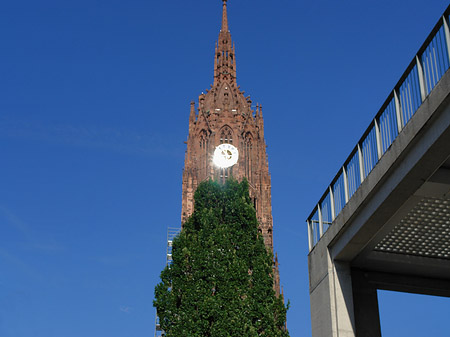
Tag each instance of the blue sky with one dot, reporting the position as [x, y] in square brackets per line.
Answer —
[94, 106]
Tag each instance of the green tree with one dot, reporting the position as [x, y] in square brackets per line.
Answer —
[221, 280]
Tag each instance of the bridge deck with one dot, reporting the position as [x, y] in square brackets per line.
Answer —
[384, 221]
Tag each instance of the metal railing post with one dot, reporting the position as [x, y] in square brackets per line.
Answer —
[344, 174]
[361, 165]
[333, 215]
[447, 36]
[398, 112]
[423, 91]
[378, 137]
[319, 211]
[310, 236]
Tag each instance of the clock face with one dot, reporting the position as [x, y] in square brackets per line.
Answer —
[225, 155]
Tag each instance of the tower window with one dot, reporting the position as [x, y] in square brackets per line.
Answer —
[248, 159]
[226, 135]
[203, 140]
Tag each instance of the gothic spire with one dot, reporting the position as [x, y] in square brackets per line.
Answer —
[224, 62]
[224, 17]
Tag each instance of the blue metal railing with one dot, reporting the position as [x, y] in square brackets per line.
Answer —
[416, 83]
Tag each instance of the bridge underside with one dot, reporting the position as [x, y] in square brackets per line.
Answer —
[394, 233]
[415, 241]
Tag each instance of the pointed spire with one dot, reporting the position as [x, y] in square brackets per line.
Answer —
[224, 62]
[259, 111]
[260, 120]
[224, 17]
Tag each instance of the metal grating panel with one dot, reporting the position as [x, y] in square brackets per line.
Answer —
[424, 231]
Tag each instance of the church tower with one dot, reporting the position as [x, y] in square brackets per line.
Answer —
[224, 123]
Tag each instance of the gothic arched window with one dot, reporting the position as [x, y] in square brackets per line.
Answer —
[203, 137]
[203, 140]
[248, 158]
[226, 135]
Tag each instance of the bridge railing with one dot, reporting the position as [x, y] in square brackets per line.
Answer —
[423, 73]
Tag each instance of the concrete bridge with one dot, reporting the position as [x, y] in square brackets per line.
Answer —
[384, 220]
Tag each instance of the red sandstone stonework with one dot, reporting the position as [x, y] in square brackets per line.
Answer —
[224, 115]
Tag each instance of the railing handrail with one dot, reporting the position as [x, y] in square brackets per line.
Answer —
[393, 95]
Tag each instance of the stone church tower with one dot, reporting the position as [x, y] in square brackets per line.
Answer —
[225, 116]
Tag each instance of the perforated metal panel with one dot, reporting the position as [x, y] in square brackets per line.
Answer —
[424, 231]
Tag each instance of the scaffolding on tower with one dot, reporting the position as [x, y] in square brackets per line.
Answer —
[172, 232]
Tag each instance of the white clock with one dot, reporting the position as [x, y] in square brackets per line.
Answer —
[225, 155]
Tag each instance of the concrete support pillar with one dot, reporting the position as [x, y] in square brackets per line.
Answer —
[331, 296]
[365, 304]
[343, 295]
[344, 303]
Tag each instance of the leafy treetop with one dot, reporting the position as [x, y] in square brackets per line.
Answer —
[221, 280]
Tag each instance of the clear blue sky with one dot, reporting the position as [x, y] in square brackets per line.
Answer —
[94, 105]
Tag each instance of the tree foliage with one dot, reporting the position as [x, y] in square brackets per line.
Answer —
[221, 280]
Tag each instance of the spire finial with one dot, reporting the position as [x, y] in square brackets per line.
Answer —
[224, 17]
